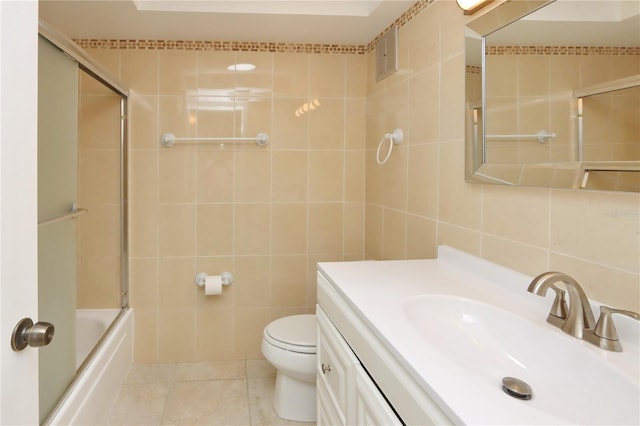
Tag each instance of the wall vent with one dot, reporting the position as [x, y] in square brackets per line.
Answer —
[387, 54]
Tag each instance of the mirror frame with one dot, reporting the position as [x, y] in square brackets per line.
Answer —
[570, 174]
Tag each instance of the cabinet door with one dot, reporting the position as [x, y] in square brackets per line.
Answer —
[370, 406]
[335, 371]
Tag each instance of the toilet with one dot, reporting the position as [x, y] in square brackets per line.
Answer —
[289, 344]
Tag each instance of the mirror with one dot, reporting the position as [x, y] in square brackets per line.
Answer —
[553, 95]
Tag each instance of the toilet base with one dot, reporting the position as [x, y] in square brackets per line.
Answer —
[294, 399]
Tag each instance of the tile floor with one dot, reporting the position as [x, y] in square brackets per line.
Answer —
[215, 393]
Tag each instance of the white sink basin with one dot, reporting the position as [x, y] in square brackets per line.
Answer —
[568, 381]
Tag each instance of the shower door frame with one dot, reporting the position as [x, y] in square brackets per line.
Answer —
[89, 66]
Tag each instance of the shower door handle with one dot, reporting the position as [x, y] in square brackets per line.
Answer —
[26, 333]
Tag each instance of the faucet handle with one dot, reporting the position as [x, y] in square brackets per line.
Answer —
[559, 310]
[605, 331]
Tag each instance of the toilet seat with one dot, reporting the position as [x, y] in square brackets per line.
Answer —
[296, 333]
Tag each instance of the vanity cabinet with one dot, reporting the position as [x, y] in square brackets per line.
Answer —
[359, 380]
[346, 393]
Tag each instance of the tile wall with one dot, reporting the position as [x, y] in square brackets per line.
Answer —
[419, 199]
[266, 214]
[519, 81]
[99, 258]
[316, 193]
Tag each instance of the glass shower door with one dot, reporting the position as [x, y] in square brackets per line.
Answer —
[57, 194]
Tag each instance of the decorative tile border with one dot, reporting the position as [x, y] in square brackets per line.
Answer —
[474, 69]
[236, 46]
[246, 46]
[563, 50]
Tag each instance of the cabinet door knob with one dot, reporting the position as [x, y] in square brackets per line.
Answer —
[326, 369]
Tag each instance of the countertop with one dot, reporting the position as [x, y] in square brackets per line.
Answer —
[377, 292]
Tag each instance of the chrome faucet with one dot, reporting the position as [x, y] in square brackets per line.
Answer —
[578, 319]
[580, 316]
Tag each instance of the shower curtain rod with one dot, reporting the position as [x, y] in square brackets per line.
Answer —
[169, 139]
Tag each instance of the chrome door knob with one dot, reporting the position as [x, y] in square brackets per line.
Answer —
[26, 333]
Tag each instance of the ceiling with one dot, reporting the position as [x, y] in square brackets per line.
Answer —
[346, 22]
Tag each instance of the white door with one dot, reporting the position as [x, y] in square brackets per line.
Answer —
[18, 206]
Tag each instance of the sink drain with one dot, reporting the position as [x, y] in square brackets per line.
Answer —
[516, 388]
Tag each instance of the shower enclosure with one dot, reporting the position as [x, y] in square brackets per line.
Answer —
[82, 244]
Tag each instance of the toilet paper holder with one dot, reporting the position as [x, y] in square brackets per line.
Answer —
[227, 278]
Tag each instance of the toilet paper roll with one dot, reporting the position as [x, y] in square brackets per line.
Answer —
[213, 285]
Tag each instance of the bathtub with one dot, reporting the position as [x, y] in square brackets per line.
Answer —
[99, 377]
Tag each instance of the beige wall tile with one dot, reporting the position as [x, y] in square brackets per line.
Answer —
[252, 175]
[252, 233]
[139, 69]
[177, 115]
[424, 48]
[214, 229]
[98, 285]
[527, 259]
[355, 175]
[143, 122]
[355, 123]
[424, 106]
[176, 335]
[458, 203]
[354, 229]
[598, 227]
[464, 239]
[421, 238]
[215, 117]
[177, 73]
[143, 230]
[213, 76]
[143, 177]
[290, 131]
[614, 287]
[99, 177]
[176, 289]
[214, 334]
[394, 239]
[252, 281]
[451, 109]
[356, 71]
[250, 323]
[244, 209]
[289, 176]
[258, 82]
[143, 278]
[289, 281]
[327, 76]
[289, 228]
[177, 230]
[145, 330]
[291, 75]
[215, 176]
[422, 189]
[325, 228]
[326, 175]
[326, 124]
[520, 214]
[373, 220]
[177, 176]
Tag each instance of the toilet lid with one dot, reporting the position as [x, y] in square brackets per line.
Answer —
[295, 333]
